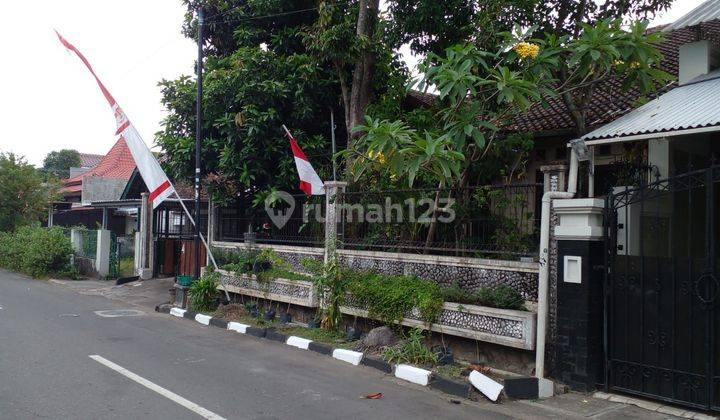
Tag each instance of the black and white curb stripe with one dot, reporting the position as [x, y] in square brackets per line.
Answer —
[527, 388]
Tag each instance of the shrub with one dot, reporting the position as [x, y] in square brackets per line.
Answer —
[412, 350]
[501, 296]
[36, 251]
[389, 298]
[203, 291]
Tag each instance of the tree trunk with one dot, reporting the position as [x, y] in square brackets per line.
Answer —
[361, 90]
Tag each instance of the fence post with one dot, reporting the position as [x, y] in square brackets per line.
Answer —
[146, 240]
[334, 191]
[102, 253]
[76, 240]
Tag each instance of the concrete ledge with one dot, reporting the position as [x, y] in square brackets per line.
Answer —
[450, 386]
[180, 313]
[413, 374]
[320, 348]
[377, 363]
[299, 342]
[349, 356]
[237, 327]
[203, 319]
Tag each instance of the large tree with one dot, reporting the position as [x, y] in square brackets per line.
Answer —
[58, 163]
[271, 63]
[24, 197]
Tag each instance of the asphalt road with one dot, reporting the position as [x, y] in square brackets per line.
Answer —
[48, 333]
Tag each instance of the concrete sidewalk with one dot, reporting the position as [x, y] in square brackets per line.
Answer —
[147, 294]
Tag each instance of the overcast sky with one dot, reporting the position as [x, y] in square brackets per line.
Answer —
[49, 101]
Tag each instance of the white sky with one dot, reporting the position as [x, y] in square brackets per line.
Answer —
[48, 99]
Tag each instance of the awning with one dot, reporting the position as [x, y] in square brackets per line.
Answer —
[705, 12]
[688, 109]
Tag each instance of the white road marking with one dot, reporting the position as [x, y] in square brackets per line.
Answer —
[157, 388]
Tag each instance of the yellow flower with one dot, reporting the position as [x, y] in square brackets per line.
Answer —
[527, 49]
[378, 156]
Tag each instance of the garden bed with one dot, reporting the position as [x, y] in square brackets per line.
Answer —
[297, 292]
[507, 327]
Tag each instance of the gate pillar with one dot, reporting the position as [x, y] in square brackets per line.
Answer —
[580, 264]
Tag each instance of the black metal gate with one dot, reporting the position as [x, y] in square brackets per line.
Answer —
[662, 318]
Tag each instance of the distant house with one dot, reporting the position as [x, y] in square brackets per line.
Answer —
[103, 180]
[87, 162]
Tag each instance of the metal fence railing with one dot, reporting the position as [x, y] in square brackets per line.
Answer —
[487, 221]
[293, 219]
[88, 244]
[495, 221]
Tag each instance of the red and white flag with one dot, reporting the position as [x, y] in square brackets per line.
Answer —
[155, 178]
[310, 182]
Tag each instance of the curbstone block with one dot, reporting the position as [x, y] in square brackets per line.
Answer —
[349, 356]
[203, 319]
[273, 335]
[521, 388]
[487, 386]
[320, 348]
[413, 374]
[377, 363]
[257, 332]
[299, 342]
[237, 327]
[450, 386]
[189, 315]
[177, 312]
[163, 309]
[220, 323]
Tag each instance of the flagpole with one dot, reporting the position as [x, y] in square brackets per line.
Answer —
[198, 134]
[197, 229]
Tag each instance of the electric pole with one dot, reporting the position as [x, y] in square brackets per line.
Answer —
[198, 137]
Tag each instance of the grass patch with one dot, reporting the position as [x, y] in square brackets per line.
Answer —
[456, 370]
[126, 267]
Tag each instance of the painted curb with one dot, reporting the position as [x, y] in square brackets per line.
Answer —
[405, 372]
[299, 342]
[487, 386]
[275, 336]
[320, 348]
[220, 323]
[450, 386]
[162, 309]
[203, 319]
[177, 312]
[413, 374]
[237, 327]
[349, 356]
[377, 363]
[256, 332]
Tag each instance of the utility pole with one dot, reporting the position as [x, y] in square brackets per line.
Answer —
[198, 137]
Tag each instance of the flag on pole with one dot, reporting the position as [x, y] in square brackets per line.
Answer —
[310, 182]
[155, 178]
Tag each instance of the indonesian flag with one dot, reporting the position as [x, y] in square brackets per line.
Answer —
[149, 168]
[310, 182]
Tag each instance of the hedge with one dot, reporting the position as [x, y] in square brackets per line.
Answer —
[36, 251]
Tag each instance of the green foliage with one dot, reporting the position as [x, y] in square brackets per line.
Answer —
[203, 291]
[37, 251]
[398, 149]
[331, 282]
[411, 350]
[57, 163]
[500, 296]
[390, 298]
[23, 195]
